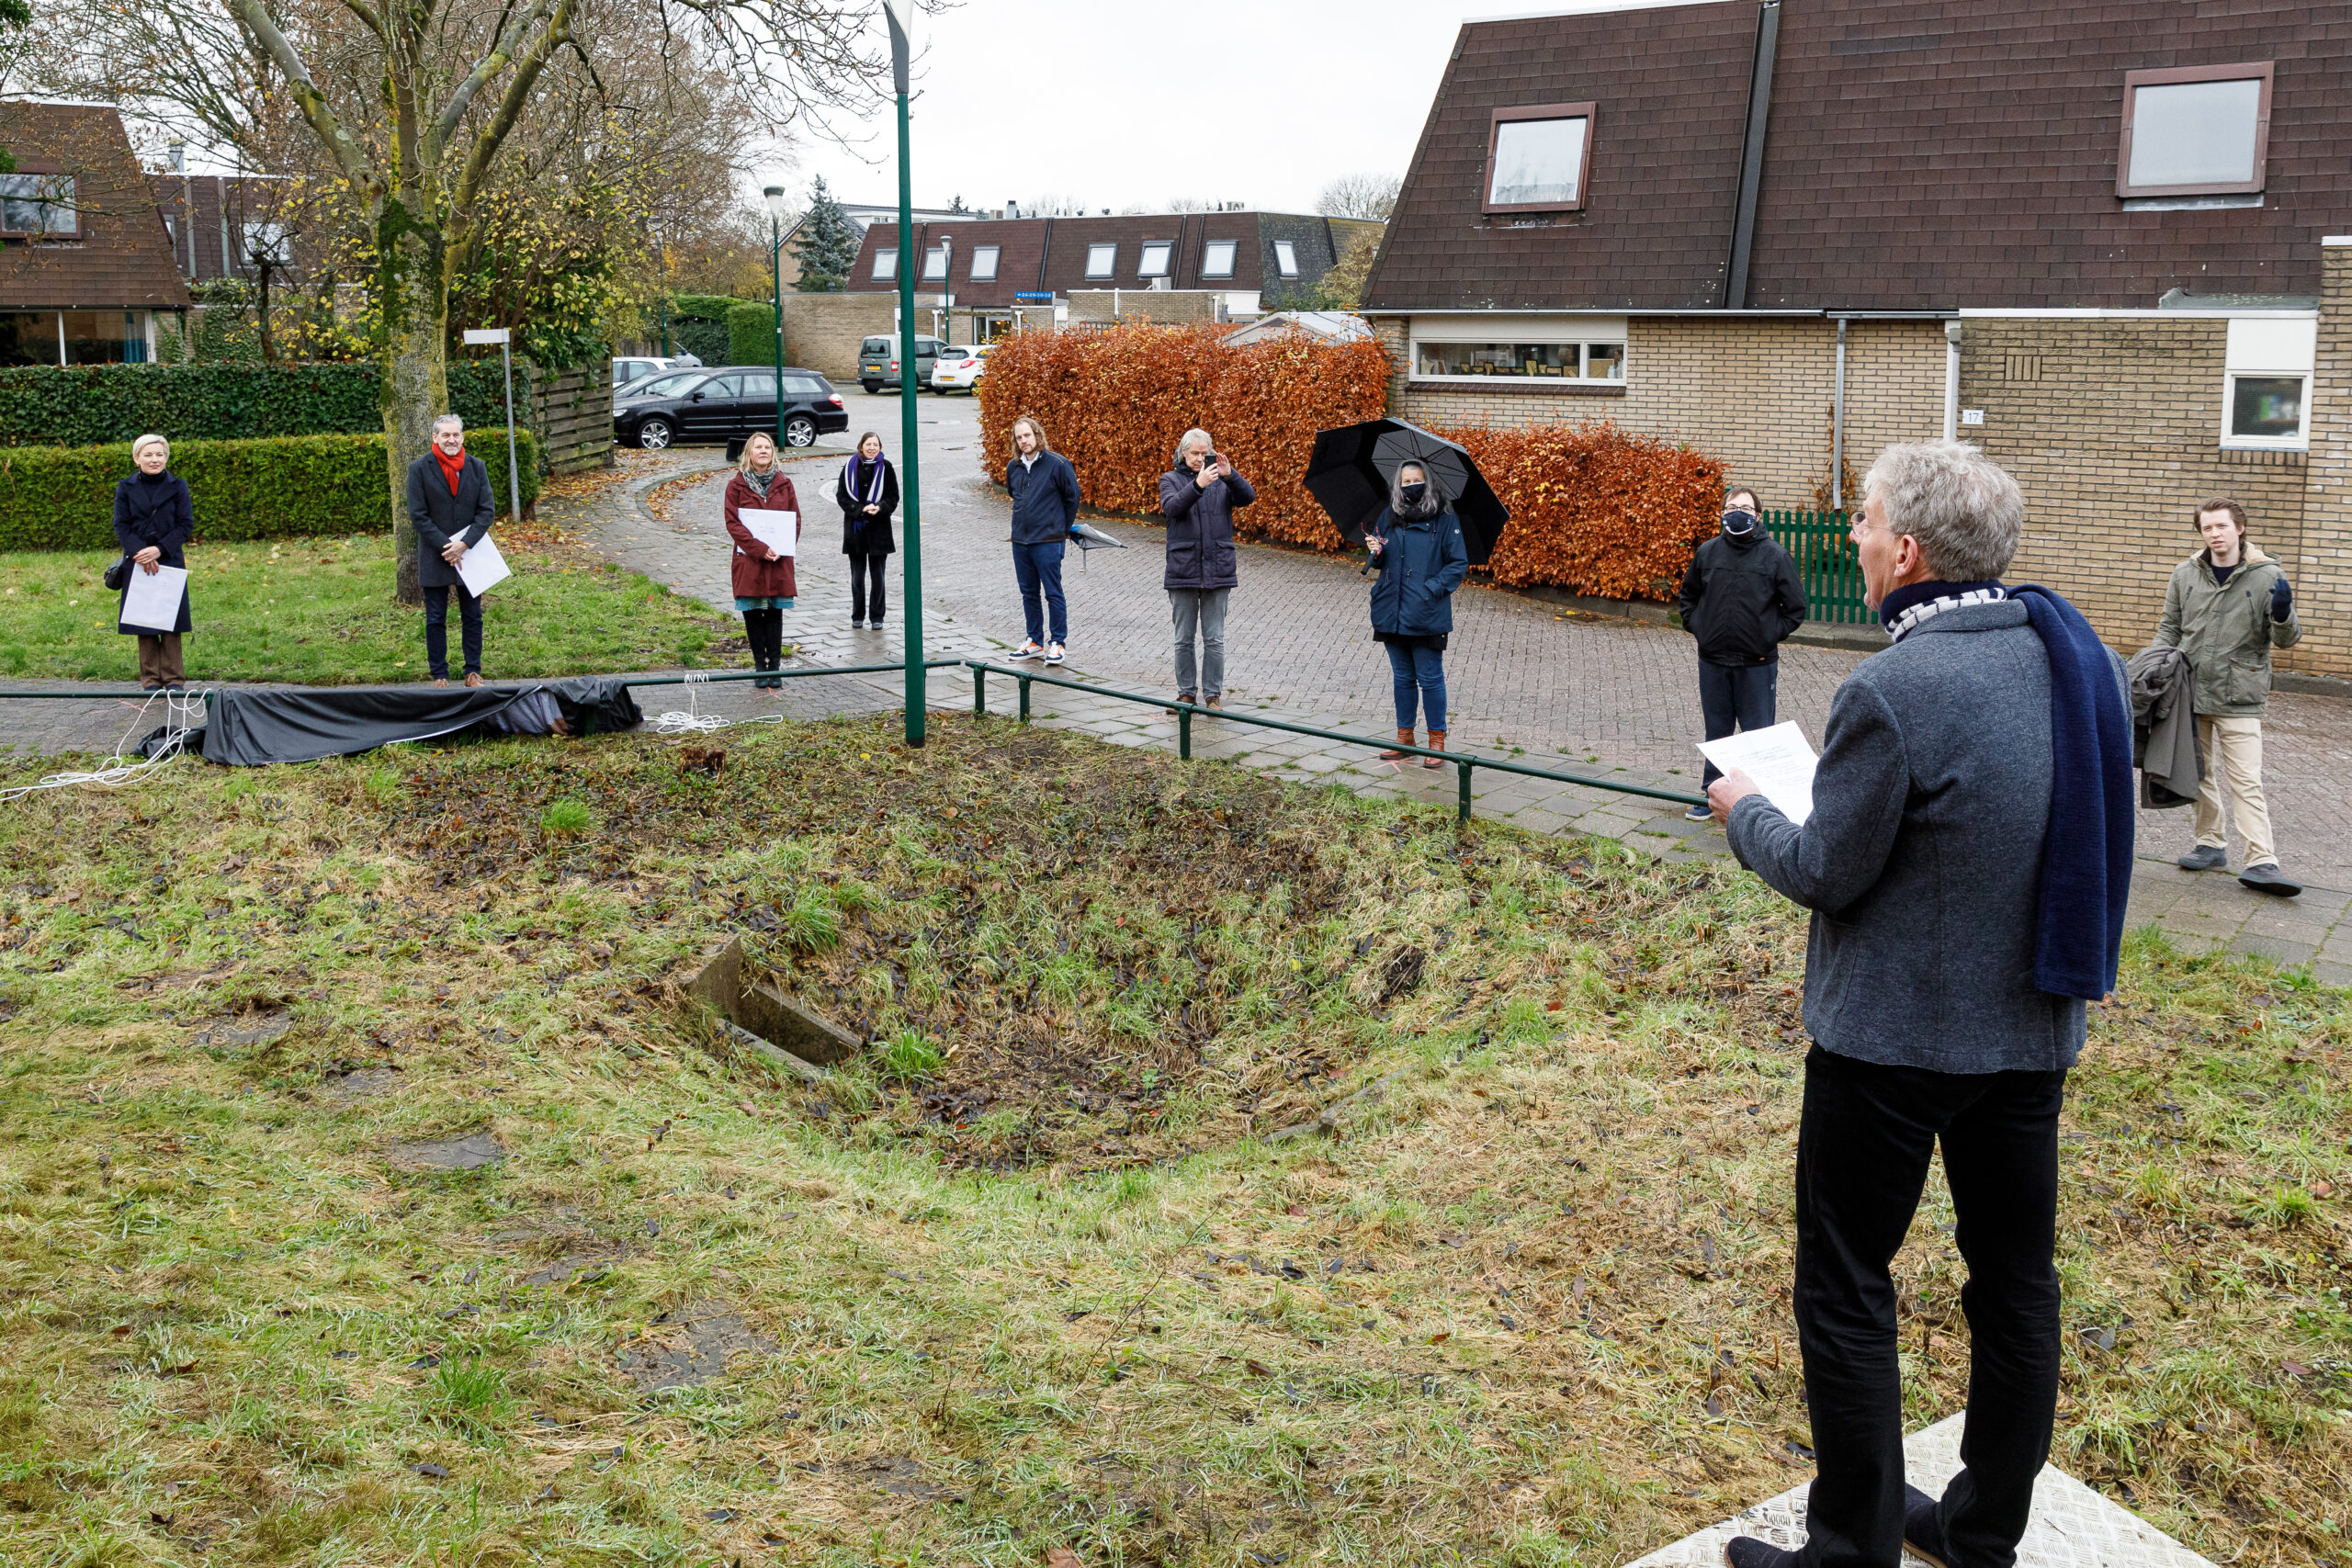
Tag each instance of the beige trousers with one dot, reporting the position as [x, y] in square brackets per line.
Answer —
[2231, 749]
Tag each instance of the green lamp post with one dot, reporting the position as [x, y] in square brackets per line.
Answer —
[901, 16]
[774, 195]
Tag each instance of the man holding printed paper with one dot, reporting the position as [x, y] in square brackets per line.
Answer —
[1968, 858]
[449, 504]
[763, 517]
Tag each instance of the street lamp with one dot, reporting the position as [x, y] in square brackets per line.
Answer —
[901, 18]
[774, 195]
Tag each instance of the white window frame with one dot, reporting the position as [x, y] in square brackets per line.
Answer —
[1286, 258]
[1586, 333]
[885, 264]
[984, 271]
[1209, 268]
[2269, 348]
[1108, 251]
[1166, 252]
[934, 262]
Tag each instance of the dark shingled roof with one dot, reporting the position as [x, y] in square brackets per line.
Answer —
[1921, 154]
[1041, 253]
[122, 259]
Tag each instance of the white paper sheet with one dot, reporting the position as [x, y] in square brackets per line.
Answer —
[776, 530]
[154, 598]
[1779, 760]
[483, 568]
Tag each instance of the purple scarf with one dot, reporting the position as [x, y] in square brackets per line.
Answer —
[863, 482]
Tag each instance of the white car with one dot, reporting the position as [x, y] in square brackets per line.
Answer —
[960, 366]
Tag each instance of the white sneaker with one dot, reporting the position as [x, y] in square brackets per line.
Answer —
[1027, 650]
[1053, 653]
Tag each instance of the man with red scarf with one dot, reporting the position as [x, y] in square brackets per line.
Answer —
[449, 504]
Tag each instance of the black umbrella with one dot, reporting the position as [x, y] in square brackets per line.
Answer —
[1354, 464]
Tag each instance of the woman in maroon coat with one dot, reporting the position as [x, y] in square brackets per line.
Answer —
[764, 580]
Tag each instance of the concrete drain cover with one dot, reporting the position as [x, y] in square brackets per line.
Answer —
[690, 1346]
[249, 1029]
[469, 1153]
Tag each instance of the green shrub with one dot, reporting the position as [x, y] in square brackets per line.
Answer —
[751, 334]
[62, 498]
[88, 405]
[701, 307]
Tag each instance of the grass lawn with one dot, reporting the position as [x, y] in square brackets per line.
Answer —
[1033, 1273]
[320, 612]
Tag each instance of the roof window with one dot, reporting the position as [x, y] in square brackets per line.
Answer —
[984, 263]
[1286, 258]
[1102, 259]
[885, 264]
[38, 204]
[1216, 258]
[1538, 158]
[2195, 131]
[1155, 258]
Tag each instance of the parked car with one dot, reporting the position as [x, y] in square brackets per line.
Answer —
[697, 407]
[637, 366]
[960, 366]
[877, 362]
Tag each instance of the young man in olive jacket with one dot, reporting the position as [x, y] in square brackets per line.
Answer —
[1741, 599]
[450, 506]
[2226, 608]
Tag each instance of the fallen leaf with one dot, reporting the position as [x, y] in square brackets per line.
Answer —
[2295, 1369]
[1060, 1557]
[2322, 1190]
[1259, 1369]
[1441, 1339]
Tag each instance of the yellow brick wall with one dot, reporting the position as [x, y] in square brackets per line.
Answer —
[2115, 440]
[2323, 576]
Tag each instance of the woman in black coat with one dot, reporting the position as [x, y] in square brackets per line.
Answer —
[153, 520]
[868, 493]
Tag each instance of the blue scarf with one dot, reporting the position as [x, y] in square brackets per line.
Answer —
[2086, 848]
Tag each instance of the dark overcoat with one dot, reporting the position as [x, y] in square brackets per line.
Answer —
[861, 535]
[154, 511]
[440, 516]
[1200, 529]
[1418, 570]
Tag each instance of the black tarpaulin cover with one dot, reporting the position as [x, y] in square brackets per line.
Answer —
[248, 728]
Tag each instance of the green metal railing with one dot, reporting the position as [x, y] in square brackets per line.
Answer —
[1827, 565]
[1463, 763]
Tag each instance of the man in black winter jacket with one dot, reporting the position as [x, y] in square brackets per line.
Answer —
[1740, 599]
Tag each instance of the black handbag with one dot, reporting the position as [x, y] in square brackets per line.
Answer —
[118, 574]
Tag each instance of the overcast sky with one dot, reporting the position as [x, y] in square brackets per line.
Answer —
[1123, 105]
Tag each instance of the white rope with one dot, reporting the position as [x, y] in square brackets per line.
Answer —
[184, 712]
[693, 721]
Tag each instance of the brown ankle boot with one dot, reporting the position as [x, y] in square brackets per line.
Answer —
[1437, 743]
[1404, 737]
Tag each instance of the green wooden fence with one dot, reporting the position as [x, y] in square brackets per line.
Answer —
[1826, 564]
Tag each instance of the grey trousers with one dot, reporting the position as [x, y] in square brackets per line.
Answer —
[1200, 611]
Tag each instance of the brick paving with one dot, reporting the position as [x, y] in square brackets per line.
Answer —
[1526, 681]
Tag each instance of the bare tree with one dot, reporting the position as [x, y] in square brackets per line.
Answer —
[410, 103]
[1359, 195]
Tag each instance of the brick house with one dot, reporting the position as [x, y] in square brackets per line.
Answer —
[217, 224]
[2092, 235]
[1254, 260]
[84, 265]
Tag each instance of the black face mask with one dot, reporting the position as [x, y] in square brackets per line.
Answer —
[1412, 493]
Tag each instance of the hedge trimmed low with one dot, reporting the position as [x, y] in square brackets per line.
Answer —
[86, 405]
[62, 498]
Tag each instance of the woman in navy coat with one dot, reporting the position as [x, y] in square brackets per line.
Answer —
[1416, 545]
[153, 520]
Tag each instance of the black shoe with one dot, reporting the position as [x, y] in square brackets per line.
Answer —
[1746, 1551]
[1923, 1531]
[2204, 857]
[2268, 878]
[1699, 814]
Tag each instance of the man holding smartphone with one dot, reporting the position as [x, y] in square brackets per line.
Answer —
[1741, 599]
[1197, 496]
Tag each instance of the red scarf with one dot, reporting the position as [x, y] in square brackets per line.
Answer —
[450, 467]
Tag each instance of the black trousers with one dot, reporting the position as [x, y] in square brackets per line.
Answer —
[865, 603]
[1862, 1152]
[763, 629]
[1732, 697]
[436, 629]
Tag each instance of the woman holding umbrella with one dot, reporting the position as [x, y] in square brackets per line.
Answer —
[1417, 549]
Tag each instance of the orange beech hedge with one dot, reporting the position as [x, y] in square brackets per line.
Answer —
[1594, 510]
[1115, 402]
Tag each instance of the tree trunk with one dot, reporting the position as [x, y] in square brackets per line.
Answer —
[412, 297]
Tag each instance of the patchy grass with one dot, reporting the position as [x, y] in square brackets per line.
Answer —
[1036, 1272]
[320, 612]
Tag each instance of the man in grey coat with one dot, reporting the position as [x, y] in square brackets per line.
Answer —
[449, 505]
[1967, 858]
[1197, 496]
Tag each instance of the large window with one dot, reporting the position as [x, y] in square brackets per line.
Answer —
[72, 337]
[1526, 350]
[885, 266]
[984, 263]
[2195, 131]
[1538, 158]
[934, 262]
[1216, 258]
[1155, 258]
[1286, 258]
[38, 204]
[2267, 386]
[1101, 260]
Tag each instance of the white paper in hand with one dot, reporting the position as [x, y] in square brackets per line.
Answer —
[1780, 760]
[776, 530]
[482, 567]
[153, 600]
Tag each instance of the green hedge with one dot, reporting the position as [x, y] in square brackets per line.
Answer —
[751, 334]
[89, 405]
[62, 498]
[701, 307]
